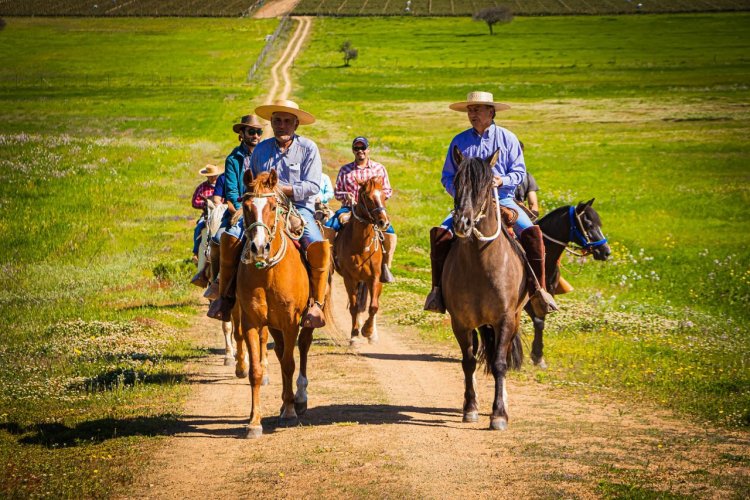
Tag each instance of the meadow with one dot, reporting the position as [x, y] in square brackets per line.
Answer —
[104, 126]
[644, 113]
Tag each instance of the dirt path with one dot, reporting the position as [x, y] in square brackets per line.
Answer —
[280, 70]
[275, 8]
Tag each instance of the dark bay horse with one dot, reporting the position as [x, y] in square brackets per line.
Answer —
[359, 255]
[579, 225]
[273, 289]
[484, 286]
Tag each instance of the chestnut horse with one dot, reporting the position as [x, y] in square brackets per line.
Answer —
[359, 255]
[273, 289]
[484, 285]
[579, 225]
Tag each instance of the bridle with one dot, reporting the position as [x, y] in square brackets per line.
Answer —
[370, 218]
[578, 236]
[283, 207]
[481, 215]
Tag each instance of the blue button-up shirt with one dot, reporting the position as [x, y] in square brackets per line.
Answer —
[234, 168]
[510, 165]
[299, 166]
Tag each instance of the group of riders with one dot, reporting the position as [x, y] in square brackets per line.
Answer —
[297, 162]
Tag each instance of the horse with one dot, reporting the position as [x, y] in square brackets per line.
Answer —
[484, 285]
[579, 225]
[273, 289]
[359, 256]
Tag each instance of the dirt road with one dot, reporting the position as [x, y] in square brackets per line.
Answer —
[275, 8]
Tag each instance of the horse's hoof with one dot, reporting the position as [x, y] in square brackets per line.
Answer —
[471, 416]
[498, 424]
[241, 373]
[254, 432]
[288, 422]
[540, 363]
[300, 408]
[373, 339]
[228, 361]
[266, 380]
[355, 341]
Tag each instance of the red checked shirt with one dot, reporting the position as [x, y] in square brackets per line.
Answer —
[351, 176]
[202, 192]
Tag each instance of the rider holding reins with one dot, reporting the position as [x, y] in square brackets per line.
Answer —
[482, 140]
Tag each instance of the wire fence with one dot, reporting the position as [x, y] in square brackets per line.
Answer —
[270, 41]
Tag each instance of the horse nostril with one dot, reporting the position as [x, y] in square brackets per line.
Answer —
[253, 247]
[267, 248]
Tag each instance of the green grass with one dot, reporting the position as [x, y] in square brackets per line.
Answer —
[103, 127]
[645, 113]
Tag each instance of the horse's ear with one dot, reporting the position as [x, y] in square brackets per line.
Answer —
[273, 178]
[247, 178]
[493, 159]
[457, 156]
[590, 202]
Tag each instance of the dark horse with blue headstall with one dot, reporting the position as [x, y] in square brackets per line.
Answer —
[578, 225]
[484, 285]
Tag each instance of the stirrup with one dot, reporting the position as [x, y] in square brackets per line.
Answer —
[434, 302]
[199, 279]
[542, 303]
[314, 317]
[386, 276]
[212, 292]
[221, 308]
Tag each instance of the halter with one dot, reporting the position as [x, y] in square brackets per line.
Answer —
[283, 207]
[578, 235]
[378, 237]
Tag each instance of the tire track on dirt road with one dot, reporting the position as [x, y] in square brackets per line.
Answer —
[280, 70]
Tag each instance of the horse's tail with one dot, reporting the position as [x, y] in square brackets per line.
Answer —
[487, 354]
[362, 293]
[328, 304]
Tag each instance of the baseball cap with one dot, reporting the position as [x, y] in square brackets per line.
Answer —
[363, 140]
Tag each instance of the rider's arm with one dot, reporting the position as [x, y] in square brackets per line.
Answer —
[387, 190]
[341, 192]
[449, 171]
[311, 171]
[199, 202]
[515, 169]
[232, 172]
[531, 194]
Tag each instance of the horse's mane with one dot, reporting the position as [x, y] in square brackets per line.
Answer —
[473, 180]
[563, 210]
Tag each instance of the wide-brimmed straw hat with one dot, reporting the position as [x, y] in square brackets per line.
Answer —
[211, 170]
[285, 106]
[474, 98]
[247, 121]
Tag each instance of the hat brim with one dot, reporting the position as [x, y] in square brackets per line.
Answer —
[267, 110]
[464, 106]
[205, 172]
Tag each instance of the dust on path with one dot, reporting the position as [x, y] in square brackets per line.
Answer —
[275, 8]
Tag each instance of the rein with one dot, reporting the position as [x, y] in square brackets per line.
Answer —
[285, 207]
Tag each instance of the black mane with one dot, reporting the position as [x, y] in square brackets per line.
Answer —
[473, 181]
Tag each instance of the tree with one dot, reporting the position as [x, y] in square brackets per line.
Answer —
[494, 15]
[350, 53]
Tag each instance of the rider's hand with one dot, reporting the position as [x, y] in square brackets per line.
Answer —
[350, 198]
[498, 181]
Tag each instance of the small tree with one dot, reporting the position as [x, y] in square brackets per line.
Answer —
[2, 23]
[350, 53]
[494, 15]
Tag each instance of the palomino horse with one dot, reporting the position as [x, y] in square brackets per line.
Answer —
[273, 289]
[579, 225]
[359, 256]
[484, 285]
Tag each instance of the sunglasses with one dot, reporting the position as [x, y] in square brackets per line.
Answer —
[254, 131]
[359, 148]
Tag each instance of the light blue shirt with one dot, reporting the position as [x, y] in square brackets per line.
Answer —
[510, 165]
[299, 166]
[326, 189]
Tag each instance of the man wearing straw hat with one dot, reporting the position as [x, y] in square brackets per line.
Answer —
[481, 140]
[297, 161]
[202, 193]
[249, 130]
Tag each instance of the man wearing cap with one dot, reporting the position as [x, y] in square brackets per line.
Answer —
[250, 130]
[482, 140]
[348, 181]
[297, 162]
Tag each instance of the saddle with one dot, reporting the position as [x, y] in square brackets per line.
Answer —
[509, 216]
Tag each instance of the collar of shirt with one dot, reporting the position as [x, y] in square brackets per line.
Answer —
[292, 143]
[486, 133]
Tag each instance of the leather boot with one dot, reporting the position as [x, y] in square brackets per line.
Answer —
[533, 244]
[319, 258]
[389, 249]
[330, 235]
[212, 293]
[221, 308]
[440, 244]
[200, 279]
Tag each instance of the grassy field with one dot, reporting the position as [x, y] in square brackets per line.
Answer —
[645, 113]
[103, 127]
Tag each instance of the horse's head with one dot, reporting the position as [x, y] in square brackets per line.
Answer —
[371, 203]
[473, 185]
[590, 228]
[260, 213]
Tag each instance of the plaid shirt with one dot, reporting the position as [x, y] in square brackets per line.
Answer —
[351, 176]
[205, 190]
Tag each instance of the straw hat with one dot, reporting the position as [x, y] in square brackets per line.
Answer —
[478, 98]
[211, 170]
[247, 121]
[285, 106]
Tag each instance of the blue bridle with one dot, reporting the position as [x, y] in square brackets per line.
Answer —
[578, 235]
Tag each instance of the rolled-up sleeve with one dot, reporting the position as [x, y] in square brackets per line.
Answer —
[311, 172]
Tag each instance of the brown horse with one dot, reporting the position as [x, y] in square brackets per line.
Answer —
[359, 255]
[484, 285]
[273, 289]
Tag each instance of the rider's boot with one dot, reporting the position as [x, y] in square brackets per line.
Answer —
[533, 244]
[389, 248]
[319, 258]
[330, 235]
[440, 244]
[563, 286]
[221, 308]
[212, 292]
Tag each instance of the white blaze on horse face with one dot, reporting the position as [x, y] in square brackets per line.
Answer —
[259, 203]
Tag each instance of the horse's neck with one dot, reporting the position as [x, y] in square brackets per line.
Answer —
[559, 229]
[362, 234]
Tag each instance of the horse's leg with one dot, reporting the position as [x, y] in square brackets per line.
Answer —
[252, 338]
[300, 397]
[351, 291]
[370, 329]
[241, 369]
[288, 414]
[537, 346]
[226, 328]
[466, 341]
[264, 355]
[504, 333]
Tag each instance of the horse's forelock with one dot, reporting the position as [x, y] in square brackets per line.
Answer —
[473, 181]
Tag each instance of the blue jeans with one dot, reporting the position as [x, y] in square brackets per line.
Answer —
[523, 221]
[197, 235]
[310, 234]
[334, 223]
